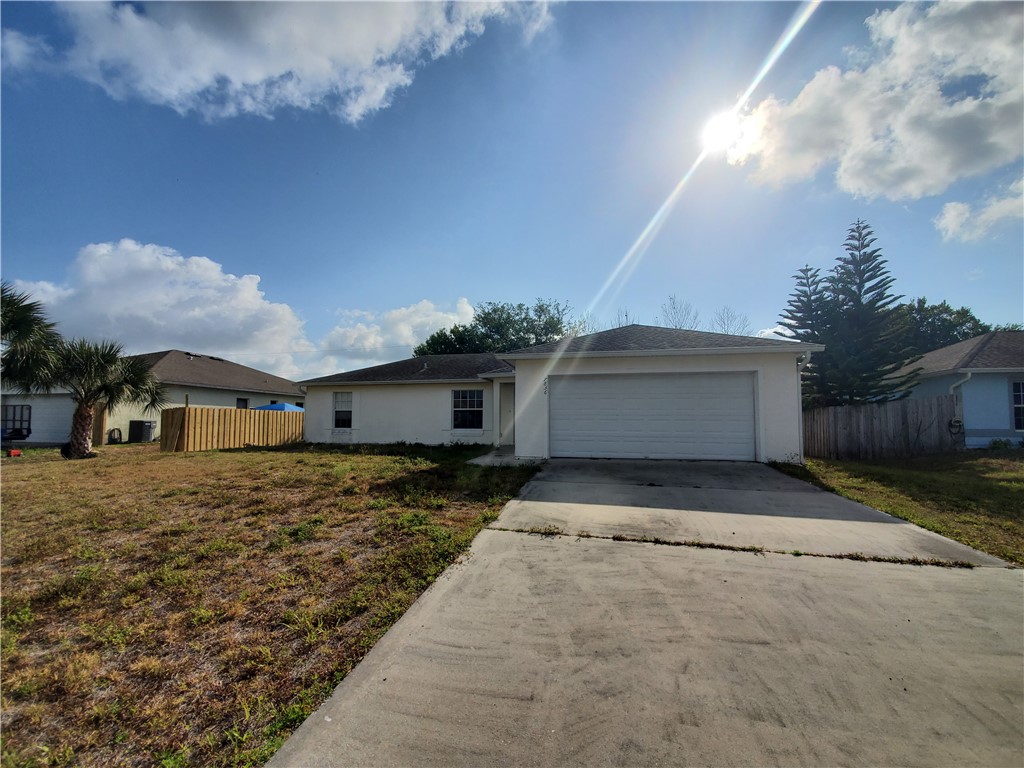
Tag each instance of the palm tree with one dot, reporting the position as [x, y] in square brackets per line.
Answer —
[28, 338]
[97, 374]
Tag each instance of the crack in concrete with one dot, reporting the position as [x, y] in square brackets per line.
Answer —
[552, 531]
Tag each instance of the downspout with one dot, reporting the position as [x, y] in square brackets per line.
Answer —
[953, 425]
[955, 384]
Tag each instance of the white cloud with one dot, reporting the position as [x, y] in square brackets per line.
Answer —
[226, 59]
[938, 97]
[775, 332]
[959, 221]
[150, 298]
[18, 51]
[367, 338]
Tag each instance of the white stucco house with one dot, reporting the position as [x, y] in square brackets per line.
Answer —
[188, 378]
[630, 392]
[988, 373]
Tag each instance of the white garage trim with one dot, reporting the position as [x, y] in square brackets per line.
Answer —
[656, 416]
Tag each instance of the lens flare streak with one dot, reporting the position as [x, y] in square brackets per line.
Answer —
[628, 264]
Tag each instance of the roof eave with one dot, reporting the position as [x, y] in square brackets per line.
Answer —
[197, 385]
[961, 371]
[802, 348]
[474, 380]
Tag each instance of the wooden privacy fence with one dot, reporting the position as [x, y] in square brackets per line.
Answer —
[207, 429]
[897, 428]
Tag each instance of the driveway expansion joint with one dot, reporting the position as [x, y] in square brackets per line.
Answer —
[551, 531]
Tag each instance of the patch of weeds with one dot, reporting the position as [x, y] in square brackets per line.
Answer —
[18, 618]
[342, 556]
[200, 615]
[171, 576]
[304, 530]
[309, 624]
[86, 552]
[378, 503]
[218, 546]
[414, 520]
[86, 580]
[283, 580]
[109, 634]
[173, 758]
[546, 531]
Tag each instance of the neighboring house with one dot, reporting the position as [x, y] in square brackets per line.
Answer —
[988, 372]
[631, 392]
[189, 379]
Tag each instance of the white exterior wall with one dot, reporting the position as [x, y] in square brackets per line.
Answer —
[777, 413]
[51, 416]
[392, 413]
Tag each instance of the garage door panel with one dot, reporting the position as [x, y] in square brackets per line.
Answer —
[678, 416]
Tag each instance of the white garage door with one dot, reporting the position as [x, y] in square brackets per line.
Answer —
[660, 416]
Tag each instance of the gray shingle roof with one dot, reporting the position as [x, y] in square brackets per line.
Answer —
[466, 367]
[995, 350]
[187, 369]
[649, 338]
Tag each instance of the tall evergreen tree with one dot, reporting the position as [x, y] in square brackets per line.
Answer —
[852, 312]
[807, 319]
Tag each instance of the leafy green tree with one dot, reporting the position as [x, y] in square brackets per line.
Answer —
[98, 375]
[29, 340]
[933, 326]
[502, 327]
[852, 311]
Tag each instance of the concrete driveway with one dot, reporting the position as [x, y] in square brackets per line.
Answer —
[566, 650]
[717, 502]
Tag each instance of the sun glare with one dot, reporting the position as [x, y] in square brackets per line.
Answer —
[722, 132]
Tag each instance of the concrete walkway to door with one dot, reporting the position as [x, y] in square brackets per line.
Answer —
[555, 650]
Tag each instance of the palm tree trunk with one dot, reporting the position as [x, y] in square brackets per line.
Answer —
[81, 431]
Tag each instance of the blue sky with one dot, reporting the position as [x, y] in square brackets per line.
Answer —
[308, 188]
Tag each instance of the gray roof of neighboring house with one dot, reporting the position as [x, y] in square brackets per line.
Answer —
[998, 350]
[458, 367]
[191, 370]
[649, 338]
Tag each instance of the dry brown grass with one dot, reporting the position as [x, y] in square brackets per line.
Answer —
[193, 609]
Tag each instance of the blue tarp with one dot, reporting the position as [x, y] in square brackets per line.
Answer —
[278, 407]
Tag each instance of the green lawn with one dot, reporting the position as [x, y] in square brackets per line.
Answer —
[976, 497]
[193, 609]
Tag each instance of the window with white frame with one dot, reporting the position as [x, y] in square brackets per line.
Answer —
[343, 410]
[467, 409]
[1018, 405]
